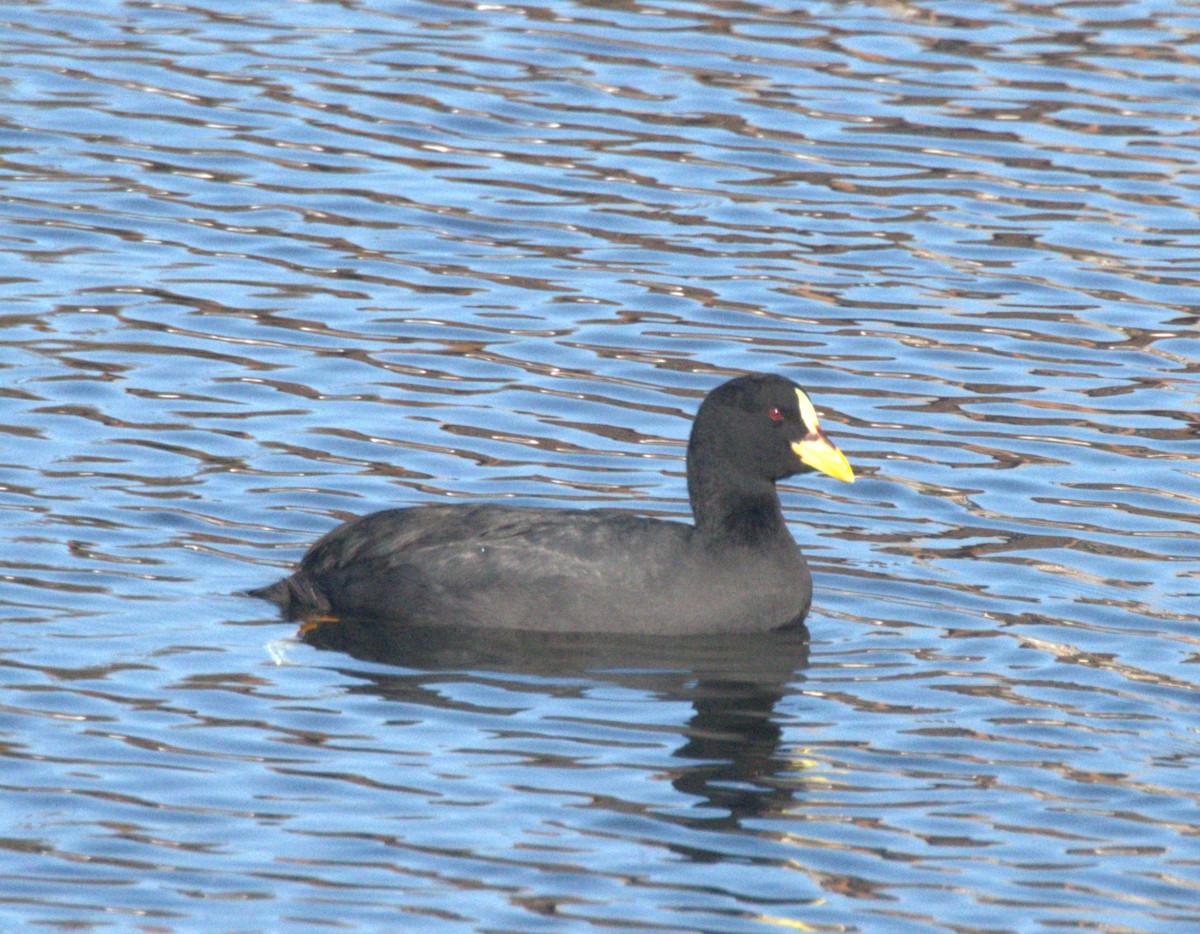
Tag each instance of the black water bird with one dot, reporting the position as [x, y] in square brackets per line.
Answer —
[737, 569]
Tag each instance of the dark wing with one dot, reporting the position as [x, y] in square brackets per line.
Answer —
[492, 565]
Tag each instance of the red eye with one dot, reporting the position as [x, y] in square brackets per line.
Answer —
[775, 413]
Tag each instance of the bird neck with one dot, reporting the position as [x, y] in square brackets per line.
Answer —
[746, 513]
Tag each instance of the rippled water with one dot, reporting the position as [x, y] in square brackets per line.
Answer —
[265, 266]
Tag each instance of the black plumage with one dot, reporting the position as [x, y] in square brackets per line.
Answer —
[737, 569]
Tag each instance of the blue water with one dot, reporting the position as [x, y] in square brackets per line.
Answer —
[265, 268]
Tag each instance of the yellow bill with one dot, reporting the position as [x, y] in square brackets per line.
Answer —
[816, 451]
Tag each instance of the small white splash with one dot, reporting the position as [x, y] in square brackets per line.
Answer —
[280, 649]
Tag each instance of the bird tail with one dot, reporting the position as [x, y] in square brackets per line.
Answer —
[295, 596]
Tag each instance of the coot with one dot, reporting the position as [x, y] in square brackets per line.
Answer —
[736, 569]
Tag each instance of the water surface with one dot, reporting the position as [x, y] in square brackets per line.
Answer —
[265, 269]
